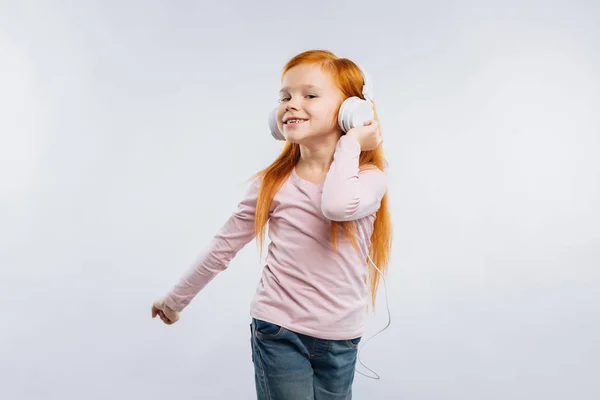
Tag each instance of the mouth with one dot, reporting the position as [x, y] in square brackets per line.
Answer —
[294, 121]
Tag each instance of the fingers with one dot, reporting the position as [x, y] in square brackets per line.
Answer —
[171, 315]
[373, 125]
[163, 311]
[164, 318]
[154, 311]
[157, 309]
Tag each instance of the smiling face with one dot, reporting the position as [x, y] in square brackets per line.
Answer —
[308, 104]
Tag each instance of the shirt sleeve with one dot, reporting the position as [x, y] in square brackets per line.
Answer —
[237, 231]
[348, 193]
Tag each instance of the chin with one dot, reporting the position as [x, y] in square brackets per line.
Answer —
[303, 134]
[298, 137]
[310, 137]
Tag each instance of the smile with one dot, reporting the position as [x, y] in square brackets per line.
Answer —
[295, 121]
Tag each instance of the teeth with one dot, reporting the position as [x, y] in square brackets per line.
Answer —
[295, 121]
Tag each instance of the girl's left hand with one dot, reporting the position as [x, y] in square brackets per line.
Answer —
[369, 135]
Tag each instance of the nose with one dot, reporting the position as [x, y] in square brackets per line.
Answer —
[291, 105]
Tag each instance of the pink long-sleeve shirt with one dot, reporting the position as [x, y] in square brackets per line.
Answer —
[305, 286]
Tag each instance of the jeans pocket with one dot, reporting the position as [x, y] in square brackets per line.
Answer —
[267, 330]
[353, 342]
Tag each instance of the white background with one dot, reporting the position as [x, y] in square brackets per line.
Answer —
[128, 130]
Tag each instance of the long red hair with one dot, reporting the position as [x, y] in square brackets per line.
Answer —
[348, 78]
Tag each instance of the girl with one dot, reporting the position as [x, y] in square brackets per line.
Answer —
[325, 186]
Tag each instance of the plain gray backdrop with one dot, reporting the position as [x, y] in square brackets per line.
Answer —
[128, 131]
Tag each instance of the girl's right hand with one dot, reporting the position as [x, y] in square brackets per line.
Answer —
[368, 135]
[166, 313]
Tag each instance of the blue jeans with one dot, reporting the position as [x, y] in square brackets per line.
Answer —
[293, 366]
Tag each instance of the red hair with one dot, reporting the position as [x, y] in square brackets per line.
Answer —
[348, 78]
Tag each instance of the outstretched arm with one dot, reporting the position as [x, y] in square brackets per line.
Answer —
[237, 231]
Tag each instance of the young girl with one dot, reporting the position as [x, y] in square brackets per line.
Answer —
[325, 188]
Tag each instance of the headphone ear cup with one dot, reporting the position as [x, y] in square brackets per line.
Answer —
[354, 112]
[275, 132]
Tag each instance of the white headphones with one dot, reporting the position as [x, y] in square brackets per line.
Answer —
[354, 111]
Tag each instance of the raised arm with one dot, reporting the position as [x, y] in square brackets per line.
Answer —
[348, 192]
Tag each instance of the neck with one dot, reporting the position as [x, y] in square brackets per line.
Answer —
[317, 155]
